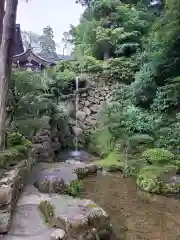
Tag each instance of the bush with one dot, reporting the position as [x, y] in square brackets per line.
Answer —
[158, 156]
[14, 138]
[22, 149]
[75, 188]
[10, 157]
[92, 65]
[120, 69]
[101, 141]
[169, 137]
[148, 179]
[66, 65]
[139, 142]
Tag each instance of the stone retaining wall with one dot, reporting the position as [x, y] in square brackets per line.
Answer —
[90, 101]
[12, 182]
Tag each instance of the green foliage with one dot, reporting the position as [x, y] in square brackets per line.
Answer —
[120, 69]
[113, 162]
[158, 156]
[35, 101]
[111, 29]
[169, 137]
[150, 178]
[75, 188]
[11, 156]
[14, 138]
[139, 142]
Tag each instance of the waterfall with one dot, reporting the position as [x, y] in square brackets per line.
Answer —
[76, 152]
[77, 107]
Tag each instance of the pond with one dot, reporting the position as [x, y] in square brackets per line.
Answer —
[134, 215]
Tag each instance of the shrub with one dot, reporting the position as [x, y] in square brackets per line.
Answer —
[22, 149]
[158, 156]
[101, 141]
[92, 65]
[150, 178]
[75, 188]
[169, 137]
[12, 156]
[139, 142]
[14, 138]
[120, 69]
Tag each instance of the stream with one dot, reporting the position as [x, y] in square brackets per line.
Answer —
[140, 216]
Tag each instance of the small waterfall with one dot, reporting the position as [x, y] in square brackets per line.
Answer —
[76, 152]
[77, 107]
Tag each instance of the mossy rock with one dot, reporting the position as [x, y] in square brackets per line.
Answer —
[151, 178]
[47, 211]
[158, 156]
[51, 185]
[86, 171]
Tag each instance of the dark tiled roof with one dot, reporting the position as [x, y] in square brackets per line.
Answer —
[56, 58]
[21, 55]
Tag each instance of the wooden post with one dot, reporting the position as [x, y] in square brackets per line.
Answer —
[8, 30]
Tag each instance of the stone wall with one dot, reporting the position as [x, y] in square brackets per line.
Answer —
[12, 182]
[97, 92]
[47, 142]
[45, 146]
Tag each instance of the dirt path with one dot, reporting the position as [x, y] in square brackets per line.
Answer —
[147, 218]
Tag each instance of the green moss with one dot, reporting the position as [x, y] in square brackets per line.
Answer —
[113, 160]
[47, 211]
[158, 156]
[92, 205]
[75, 188]
[151, 178]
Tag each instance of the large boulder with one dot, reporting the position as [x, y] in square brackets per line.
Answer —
[81, 218]
[80, 115]
[77, 131]
[86, 170]
[55, 180]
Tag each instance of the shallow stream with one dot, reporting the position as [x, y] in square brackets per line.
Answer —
[134, 215]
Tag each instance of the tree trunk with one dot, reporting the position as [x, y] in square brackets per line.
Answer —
[9, 22]
[1, 17]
